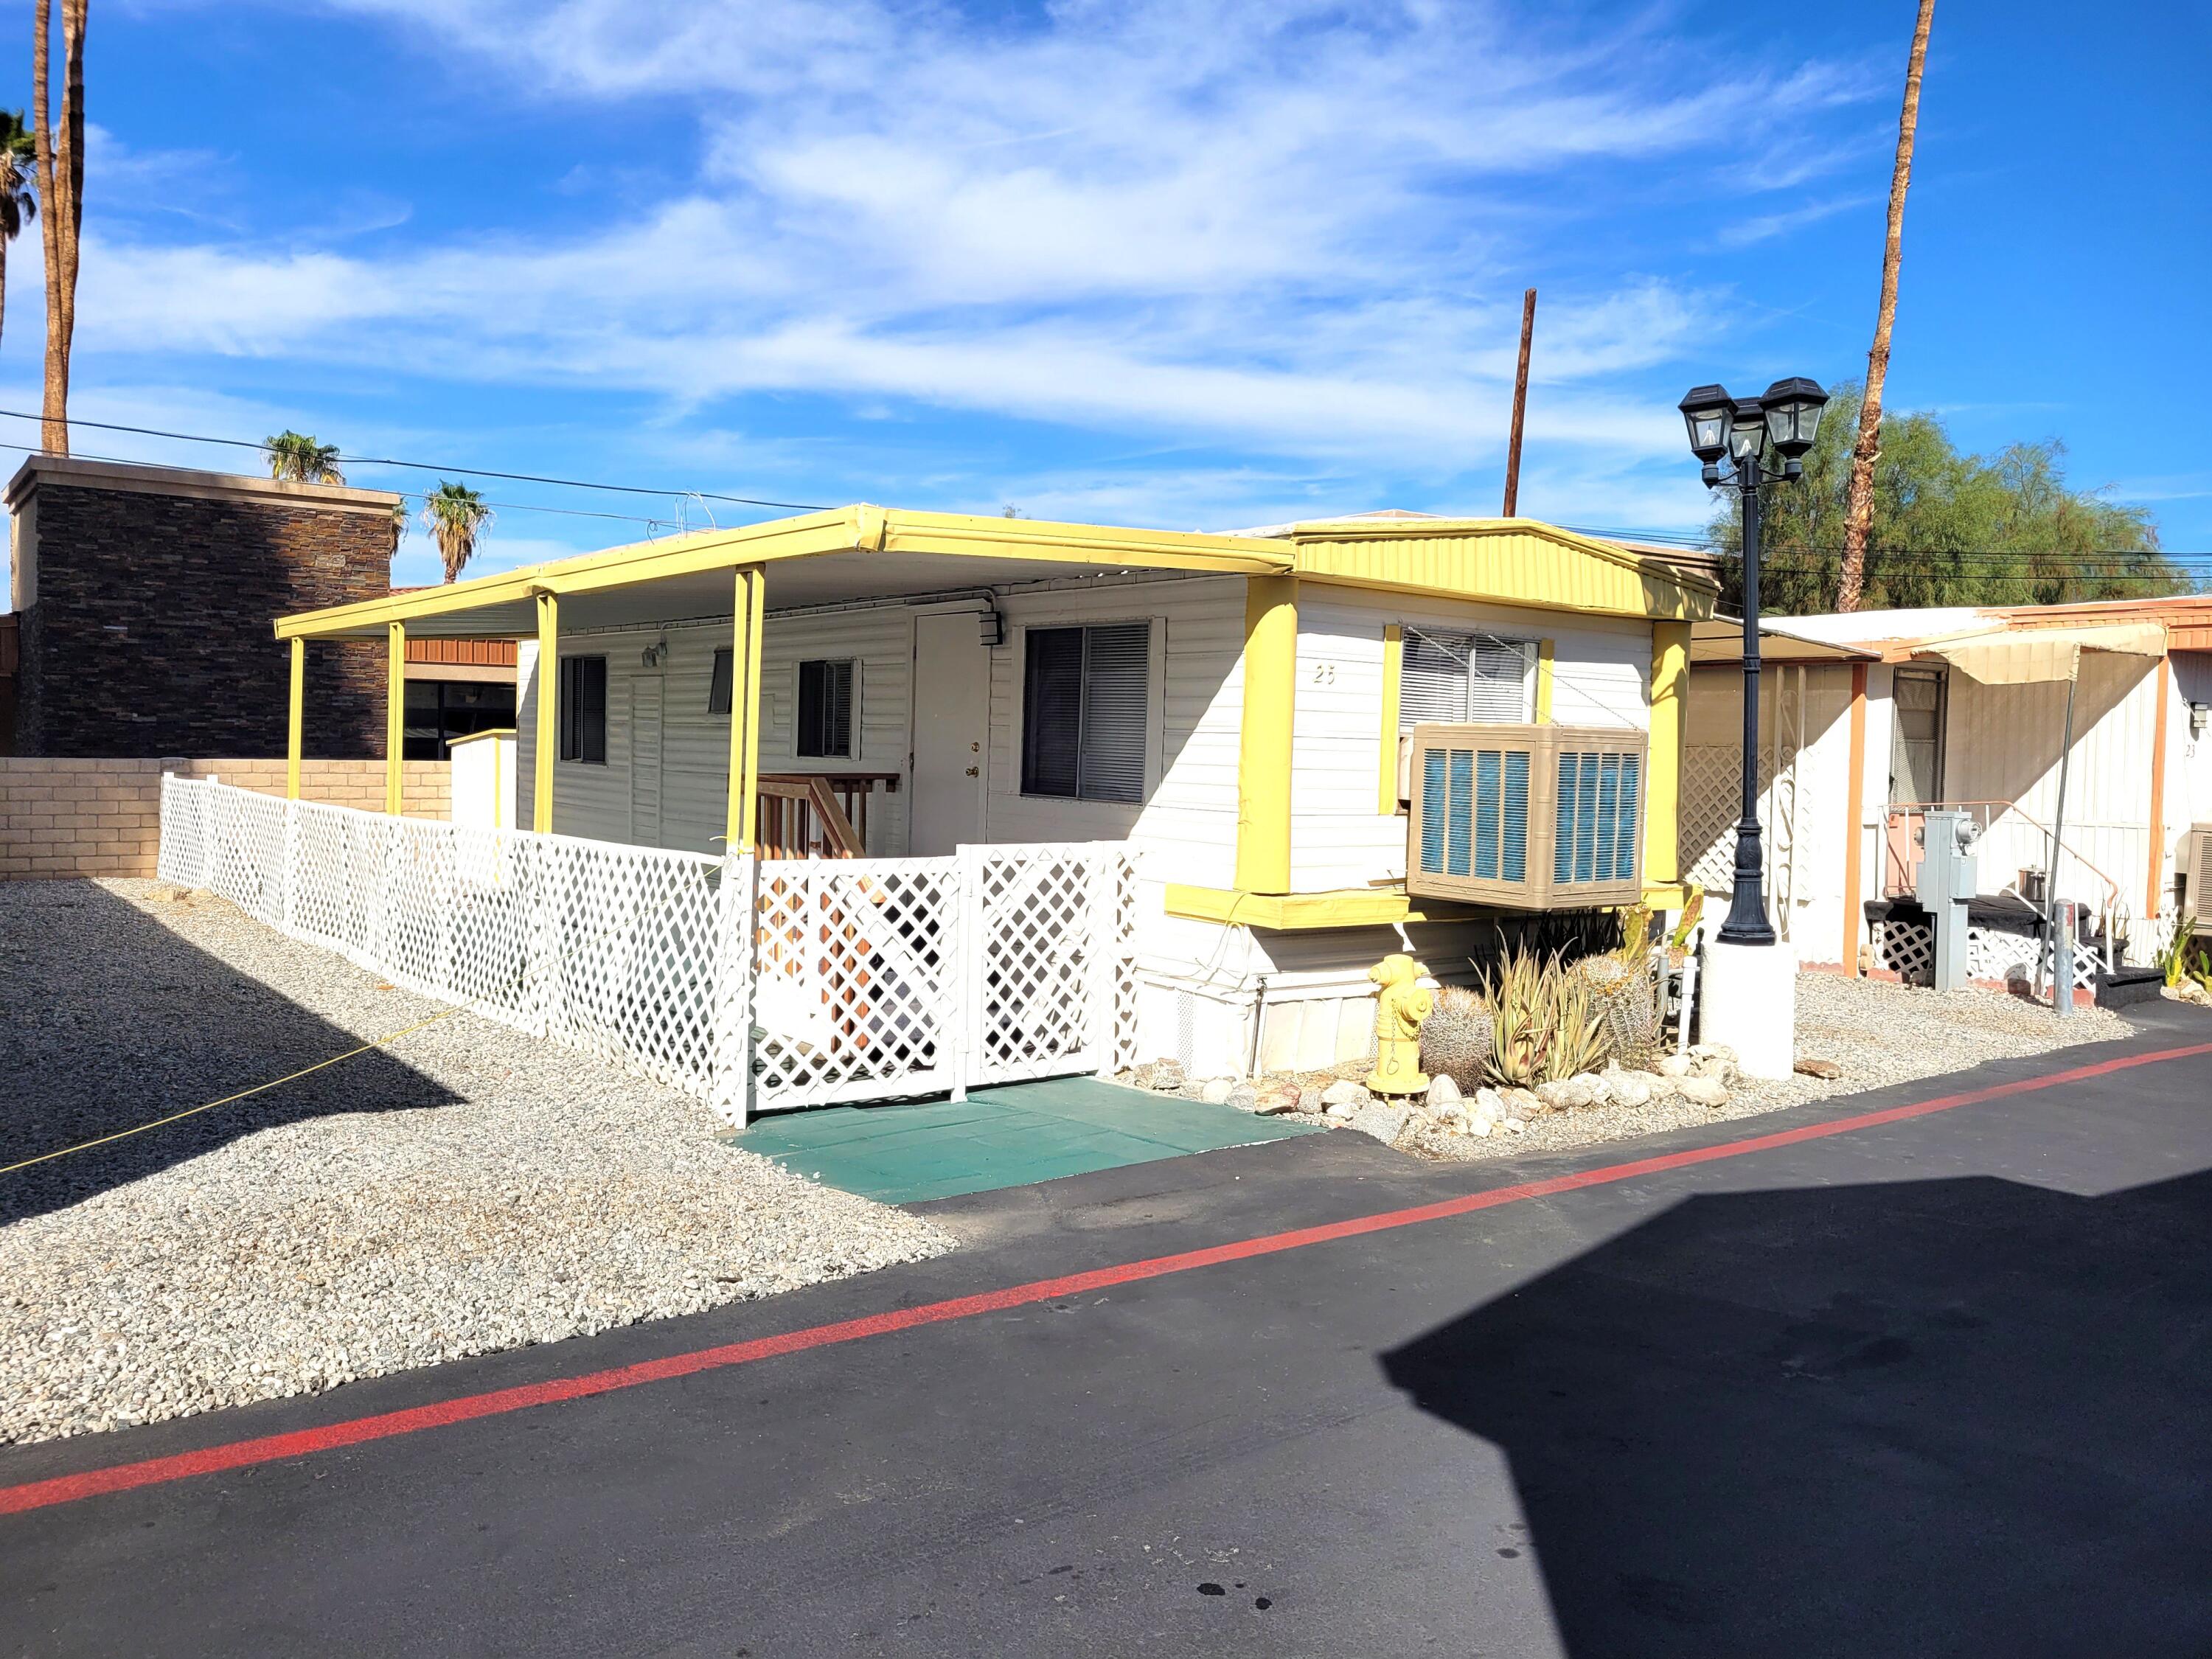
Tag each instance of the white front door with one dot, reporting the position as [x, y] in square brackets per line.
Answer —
[645, 700]
[951, 726]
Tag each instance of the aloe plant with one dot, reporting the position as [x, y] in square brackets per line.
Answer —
[1542, 1025]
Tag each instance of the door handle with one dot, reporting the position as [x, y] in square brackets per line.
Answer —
[974, 771]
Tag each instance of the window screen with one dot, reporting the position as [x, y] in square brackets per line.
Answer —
[825, 709]
[1086, 707]
[1448, 677]
[718, 687]
[584, 709]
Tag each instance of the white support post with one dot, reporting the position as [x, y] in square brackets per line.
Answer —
[1105, 940]
[730, 1090]
[965, 981]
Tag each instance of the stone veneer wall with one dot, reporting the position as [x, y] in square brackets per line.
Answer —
[151, 633]
[103, 818]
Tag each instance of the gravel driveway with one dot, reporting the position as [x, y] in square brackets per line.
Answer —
[469, 1190]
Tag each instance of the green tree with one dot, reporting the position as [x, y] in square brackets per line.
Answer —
[18, 205]
[297, 456]
[454, 514]
[1947, 528]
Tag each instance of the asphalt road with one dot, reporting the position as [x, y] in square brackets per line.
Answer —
[1936, 1386]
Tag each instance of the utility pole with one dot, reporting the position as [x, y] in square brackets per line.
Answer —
[1520, 406]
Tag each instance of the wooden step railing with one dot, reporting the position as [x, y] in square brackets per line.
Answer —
[819, 815]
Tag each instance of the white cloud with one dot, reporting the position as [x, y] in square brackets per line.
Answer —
[1282, 229]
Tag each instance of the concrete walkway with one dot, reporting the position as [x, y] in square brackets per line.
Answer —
[1936, 1384]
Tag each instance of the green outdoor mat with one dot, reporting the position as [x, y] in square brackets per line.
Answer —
[1007, 1136]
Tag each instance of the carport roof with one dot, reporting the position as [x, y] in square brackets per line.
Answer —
[867, 552]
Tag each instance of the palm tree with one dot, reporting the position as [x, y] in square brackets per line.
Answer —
[61, 193]
[19, 152]
[1858, 510]
[297, 455]
[453, 514]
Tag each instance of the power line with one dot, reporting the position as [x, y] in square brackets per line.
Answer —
[411, 495]
[429, 467]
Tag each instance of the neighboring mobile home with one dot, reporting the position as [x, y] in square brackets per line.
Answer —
[1870, 718]
[1233, 707]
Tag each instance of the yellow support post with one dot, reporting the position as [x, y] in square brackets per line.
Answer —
[1393, 664]
[395, 717]
[295, 723]
[1545, 653]
[1263, 756]
[1670, 730]
[546, 746]
[749, 601]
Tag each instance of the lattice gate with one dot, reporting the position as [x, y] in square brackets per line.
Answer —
[876, 977]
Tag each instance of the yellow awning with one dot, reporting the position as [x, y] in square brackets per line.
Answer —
[2023, 656]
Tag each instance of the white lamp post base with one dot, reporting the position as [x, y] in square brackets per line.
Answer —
[1747, 999]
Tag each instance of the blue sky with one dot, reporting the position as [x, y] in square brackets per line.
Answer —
[1189, 265]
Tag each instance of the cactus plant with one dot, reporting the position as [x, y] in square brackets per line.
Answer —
[1543, 1028]
[1625, 996]
[1455, 1037]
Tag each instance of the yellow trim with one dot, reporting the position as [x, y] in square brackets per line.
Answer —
[1394, 661]
[1670, 732]
[395, 716]
[1544, 655]
[846, 529]
[295, 720]
[1667, 895]
[546, 747]
[741, 824]
[1504, 561]
[1357, 906]
[1263, 754]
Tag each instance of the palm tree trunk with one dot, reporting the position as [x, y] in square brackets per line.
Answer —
[1858, 510]
[3, 284]
[60, 186]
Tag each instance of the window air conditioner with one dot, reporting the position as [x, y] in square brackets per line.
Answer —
[1528, 817]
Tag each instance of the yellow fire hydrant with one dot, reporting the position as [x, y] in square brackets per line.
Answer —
[1398, 1013]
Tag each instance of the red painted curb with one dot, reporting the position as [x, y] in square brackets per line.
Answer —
[269, 1448]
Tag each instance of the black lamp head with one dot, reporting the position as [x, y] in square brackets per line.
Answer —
[1792, 409]
[1706, 412]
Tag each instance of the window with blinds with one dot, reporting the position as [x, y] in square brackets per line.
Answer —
[825, 710]
[584, 710]
[1446, 677]
[1086, 710]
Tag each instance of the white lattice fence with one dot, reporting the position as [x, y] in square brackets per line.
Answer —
[1908, 949]
[1711, 802]
[796, 982]
[610, 950]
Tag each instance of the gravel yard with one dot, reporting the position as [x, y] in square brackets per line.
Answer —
[469, 1190]
[1880, 1033]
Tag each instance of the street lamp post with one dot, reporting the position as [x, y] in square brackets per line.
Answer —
[1722, 428]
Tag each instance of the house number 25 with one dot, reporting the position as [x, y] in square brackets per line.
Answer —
[1324, 673]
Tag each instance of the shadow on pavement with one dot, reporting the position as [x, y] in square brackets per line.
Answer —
[108, 1018]
[1953, 1417]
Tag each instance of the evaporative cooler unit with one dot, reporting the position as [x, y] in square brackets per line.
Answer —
[1528, 817]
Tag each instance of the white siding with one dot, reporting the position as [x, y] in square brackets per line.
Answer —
[594, 801]
[1185, 827]
[2001, 744]
[1600, 676]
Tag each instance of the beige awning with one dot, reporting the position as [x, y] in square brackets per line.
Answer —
[2023, 656]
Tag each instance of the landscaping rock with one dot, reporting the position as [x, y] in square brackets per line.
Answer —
[1713, 1051]
[1630, 1088]
[1216, 1091]
[1524, 1101]
[1310, 1099]
[1386, 1123]
[1703, 1091]
[1245, 1098]
[1677, 1066]
[1276, 1098]
[1558, 1094]
[1344, 1092]
[1489, 1103]
[1481, 1127]
[1165, 1075]
[1442, 1092]
[1820, 1068]
[1513, 1126]
[1592, 1088]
